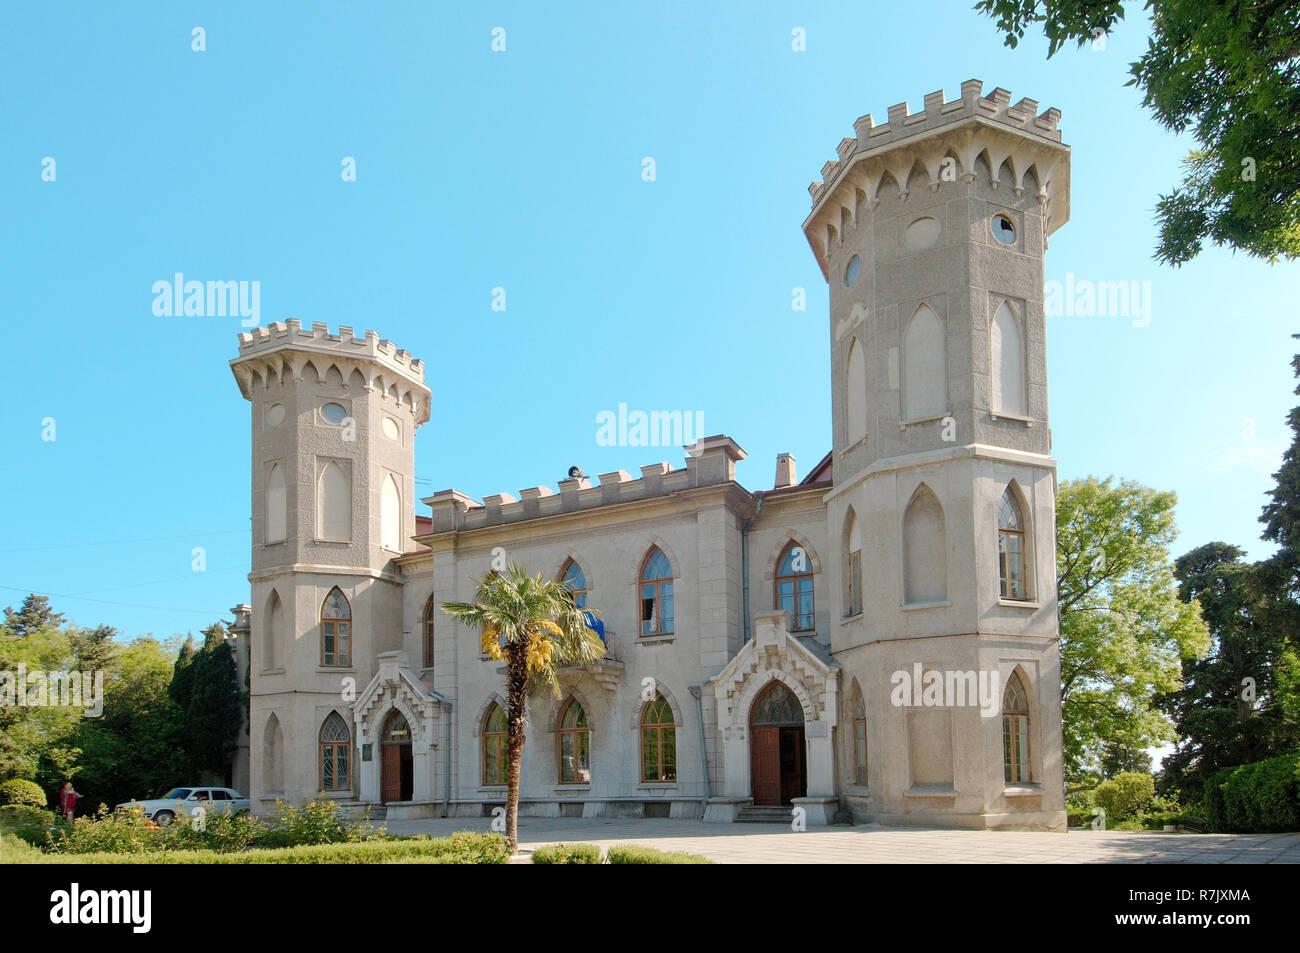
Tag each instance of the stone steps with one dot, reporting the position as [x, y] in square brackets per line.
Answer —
[752, 814]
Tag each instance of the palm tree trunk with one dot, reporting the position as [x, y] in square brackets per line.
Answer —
[516, 687]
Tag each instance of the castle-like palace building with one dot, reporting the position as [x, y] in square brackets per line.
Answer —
[877, 639]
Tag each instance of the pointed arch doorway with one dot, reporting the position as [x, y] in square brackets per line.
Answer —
[396, 767]
[778, 755]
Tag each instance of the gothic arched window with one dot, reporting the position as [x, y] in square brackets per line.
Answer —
[496, 759]
[1015, 731]
[658, 741]
[335, 754]
[794, 587]
[336, 630]
[1011, 546]
[656, 610]
[575, 744]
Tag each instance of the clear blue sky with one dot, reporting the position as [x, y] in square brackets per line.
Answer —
[522, 170]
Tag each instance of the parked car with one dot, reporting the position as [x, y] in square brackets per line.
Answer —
[163, 810]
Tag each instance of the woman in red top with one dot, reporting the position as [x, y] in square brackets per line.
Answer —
[68, 800]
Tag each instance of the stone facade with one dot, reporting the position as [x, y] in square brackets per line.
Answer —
[923, 546]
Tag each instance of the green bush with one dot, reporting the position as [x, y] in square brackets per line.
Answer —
[319, 822]
[22, 791]
[220, 832]
[1259, 797]
[567, 854]
[124, 832]
[1124, 796]
[27, 823]
[636, 854]
[462, 848]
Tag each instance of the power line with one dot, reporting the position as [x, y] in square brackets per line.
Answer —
[107, 602]
[121, 542]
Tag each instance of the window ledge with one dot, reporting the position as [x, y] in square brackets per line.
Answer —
[274, 542]
[271, 671]
[1022, 790]
[656, 639]
[665, 786]
[578, 787]
[915, 606]
[851, 618]
[1020, 603]
[332, 542]
[335, 669]
[1027, 421]
[916, 421]
[493, 789]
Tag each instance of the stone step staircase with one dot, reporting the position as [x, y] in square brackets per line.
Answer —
[753, 814]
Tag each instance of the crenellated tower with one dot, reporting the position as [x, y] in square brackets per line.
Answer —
[333, 499]
[930, 230]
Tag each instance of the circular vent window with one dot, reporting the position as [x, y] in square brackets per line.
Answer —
[1004, 230]
[851, 272]
[275, 415]
[391, 430]
[334, 413]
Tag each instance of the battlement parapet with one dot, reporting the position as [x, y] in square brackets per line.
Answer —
[709, 462]
[287, 349]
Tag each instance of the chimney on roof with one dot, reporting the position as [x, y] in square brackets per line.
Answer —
[785, 471]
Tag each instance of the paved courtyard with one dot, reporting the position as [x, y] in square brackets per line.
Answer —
[777, 844]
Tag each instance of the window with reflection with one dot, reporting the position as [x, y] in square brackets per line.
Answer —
[656, 604]
[496, 761]
[794, 588]
[1011, 547]
[658, 741]
[575, 744]
[335, 630]
[1015, 731]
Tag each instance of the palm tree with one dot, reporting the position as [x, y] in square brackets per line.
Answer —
[534, 625]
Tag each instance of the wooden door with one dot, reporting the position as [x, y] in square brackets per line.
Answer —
[391, 771]
[793, 764]
[765, 763]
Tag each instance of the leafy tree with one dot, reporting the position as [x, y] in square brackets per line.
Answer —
[1226, 71]
[1119, 758]
[93, 650]
[1124, 631]
[182, 685]
[215, 704]
[1228, 710]
[534, 625]
[1281, 516]
[36, 743]
[134, 750]
[34, 614]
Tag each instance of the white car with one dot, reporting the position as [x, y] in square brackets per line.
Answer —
[163, 810]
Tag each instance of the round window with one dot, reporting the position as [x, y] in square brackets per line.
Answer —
[391, 429]
[1004, 230]
[851, 272]
[275, 415]
[334, 413]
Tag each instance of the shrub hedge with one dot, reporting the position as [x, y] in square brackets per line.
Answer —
[567, 854]
[22, 791]
[1260, 797]
[636, 854]
[462, 848]
[27, 823]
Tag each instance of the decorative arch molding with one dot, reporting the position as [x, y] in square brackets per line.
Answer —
[669, 697]
[790, 536]
[495, 698]
[1030, 686]
[652, 543]
[756, 686]
[571, 555]
[557, 709]
[395, 687]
